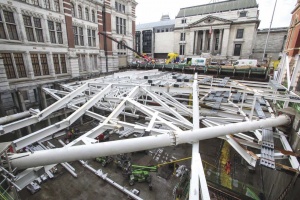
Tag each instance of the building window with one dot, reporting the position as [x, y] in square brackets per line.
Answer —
[147, 41]
[35, 2]
[8, 22]
[157, 31]
[81, 62]
[56, 5]
[167, 30]
[78, 35]
[243, 13]
[217, 44]
[72, 9]
[59, 63]
[8, 65]
[2, 31]
[120, 7]
[182, 36]
[181, 49]
[31, 24]
[44, 63]
[183, 21]
[87, 14]
[20, 65]
[55, 32]
[81, 36]
[79, 12]
[94, 38]
[138, 41]
[240, 33]
[237, 49]
[93, 16]
[121, 25]
[39, 64]
[93, 61]
[47, 4]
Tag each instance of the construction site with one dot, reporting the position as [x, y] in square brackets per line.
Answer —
[205, 123]
[155, 134]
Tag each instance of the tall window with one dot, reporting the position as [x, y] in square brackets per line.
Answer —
[56, 5]
[81, 62]
[72, 9]
[237, 49]
[183, 21]
[55, 32]
[79, 12]
[87, 14]
[121, 25]
[91, 37]
[181, 49]
[8, 23]
[8, 65]
[14, 69]
[182, 36]
[78, 35]
[47, 4]
[93, 62]
[31, 24]
[93, 16]
[2, 31]
[59, 63]
[120, 7]
[240, 33]
[39, 64]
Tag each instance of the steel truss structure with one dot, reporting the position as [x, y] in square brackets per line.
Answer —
[229, 109]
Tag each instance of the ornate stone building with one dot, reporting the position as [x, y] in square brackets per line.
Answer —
[224, 29]
[44, 42]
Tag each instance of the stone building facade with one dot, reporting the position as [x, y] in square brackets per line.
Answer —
[275, 46]
[224, 29]
[44, 42]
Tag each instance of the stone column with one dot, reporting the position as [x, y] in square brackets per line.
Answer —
[225, 41]
[204, 41]
[46, 33]
[23, 107]
[44, 102]
[21, 29]
[51, 64]
[196, 42]
[211, 50]
[191, 43]
[29, 65]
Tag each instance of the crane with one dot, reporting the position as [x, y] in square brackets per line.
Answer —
[147, 58]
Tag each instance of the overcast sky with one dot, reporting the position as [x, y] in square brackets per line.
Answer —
[151, 10]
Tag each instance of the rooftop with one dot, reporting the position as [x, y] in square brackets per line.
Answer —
[217, 7]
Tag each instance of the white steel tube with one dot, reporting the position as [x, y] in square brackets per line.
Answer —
[68, 154]
[10, 118]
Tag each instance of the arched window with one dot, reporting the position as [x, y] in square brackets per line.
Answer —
[93, 16]
[79, 12]
[87, 14]
[72, 10]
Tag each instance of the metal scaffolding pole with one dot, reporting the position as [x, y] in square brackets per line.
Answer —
[68, 154]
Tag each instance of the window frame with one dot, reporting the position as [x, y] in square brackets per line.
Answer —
[73, 13]
[181, 49]
[79, 12]
[235, 50]
[56, 5]
[61, 61]
[239, 33]
[9, 26]
[35, 28]
[58, 37]
[87, 14]
[93, 16]
[39, 65]
[182, 36]
[47, 4]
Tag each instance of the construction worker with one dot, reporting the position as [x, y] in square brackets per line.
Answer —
[227, 167]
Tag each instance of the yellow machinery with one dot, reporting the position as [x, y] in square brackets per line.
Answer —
[172, 57]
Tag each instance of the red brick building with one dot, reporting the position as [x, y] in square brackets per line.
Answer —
[293, 39]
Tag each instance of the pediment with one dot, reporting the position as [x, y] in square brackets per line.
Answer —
[210, 20]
